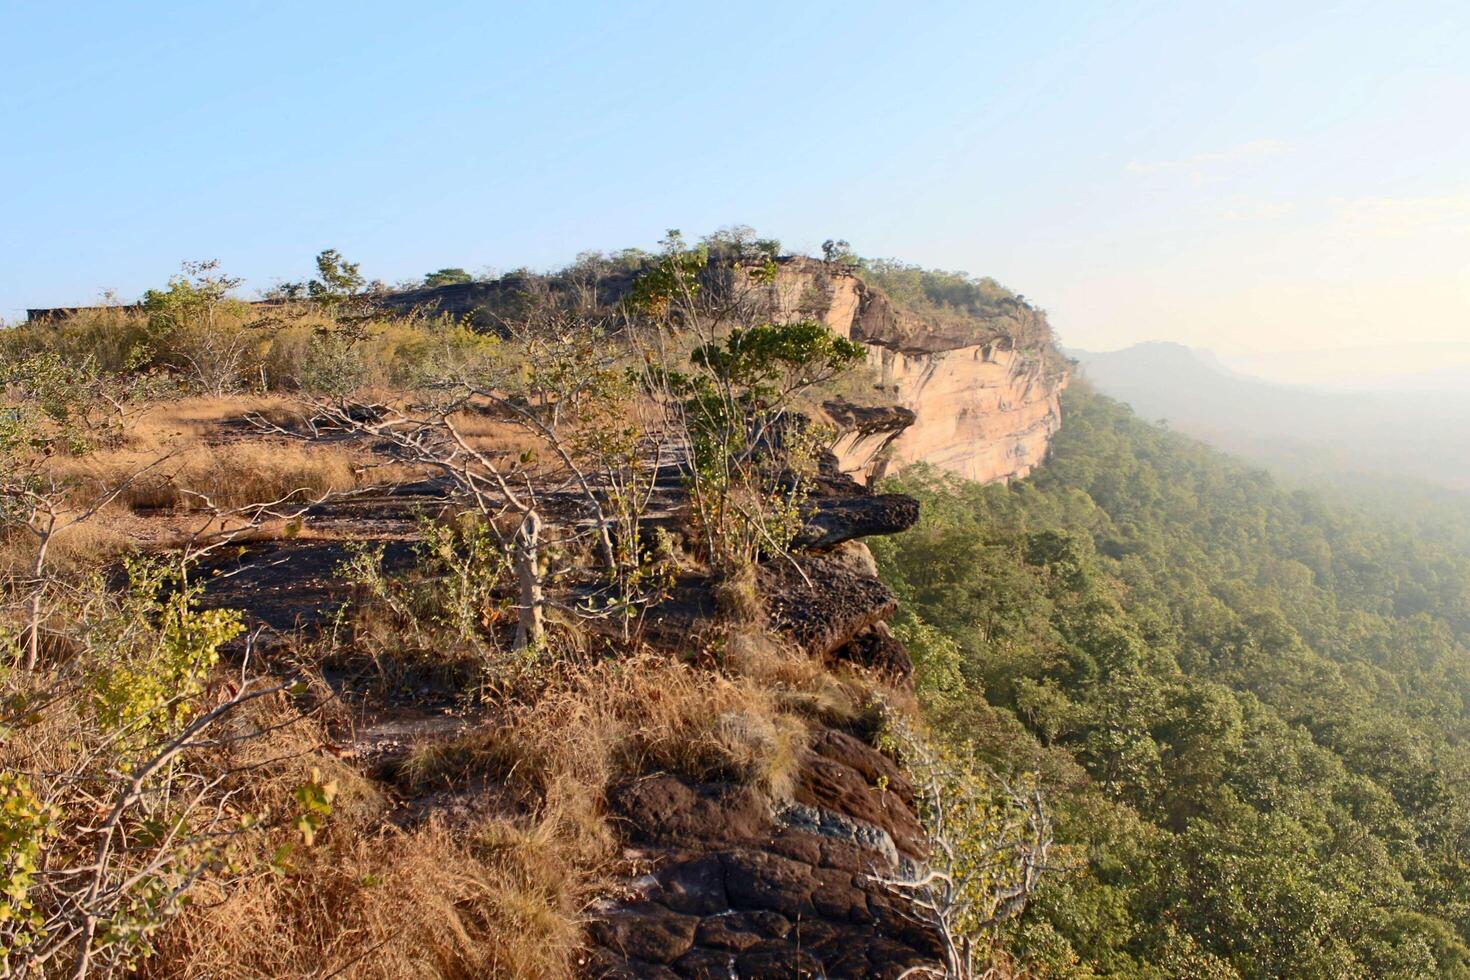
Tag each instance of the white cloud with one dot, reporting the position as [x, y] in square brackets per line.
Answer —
[1206, 166]
[1398, 217]
[1257, 210]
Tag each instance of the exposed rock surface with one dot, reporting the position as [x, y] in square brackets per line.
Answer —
[985, 394]
[978, 396]
[743, 885]
[745, 888]
[984, 413]
[835, 520]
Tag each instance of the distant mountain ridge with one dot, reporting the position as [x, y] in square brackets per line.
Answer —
[1422, 433]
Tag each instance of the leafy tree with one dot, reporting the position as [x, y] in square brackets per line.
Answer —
[200, 328]
[337, 279]
[447, 277]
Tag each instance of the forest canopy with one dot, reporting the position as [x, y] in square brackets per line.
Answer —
[1250, 704]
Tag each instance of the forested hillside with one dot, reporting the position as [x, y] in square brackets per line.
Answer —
[1415, 430]
[1249, 706]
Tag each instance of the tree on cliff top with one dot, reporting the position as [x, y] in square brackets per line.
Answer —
[447, 277]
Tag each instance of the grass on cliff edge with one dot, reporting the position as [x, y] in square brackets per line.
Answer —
[502, 888]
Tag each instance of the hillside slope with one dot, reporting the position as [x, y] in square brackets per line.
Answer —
[1422, 432]
[1251, 707]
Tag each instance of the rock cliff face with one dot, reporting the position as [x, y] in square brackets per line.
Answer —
[984, 394]
[743, 885]
[980, 396]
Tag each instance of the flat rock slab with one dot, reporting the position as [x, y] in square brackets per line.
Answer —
[834, 520]
[821, 603]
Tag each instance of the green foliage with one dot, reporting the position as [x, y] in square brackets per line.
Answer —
[672, 276]
[164, 648]
[938, 663]
[337, 279]
[765, 364]
[917, 287]
[469, 566]
[747, 498]
[738, 243]
[200, 329]
[116, 797]
[750, 454]
[109, 337]
[447, 277]
[836, 251]
[454, 593]
[990, 840]
[26, 822]
[194, 299]
[1252, 706]
[315, 798]
[335, 362]
[55, 404]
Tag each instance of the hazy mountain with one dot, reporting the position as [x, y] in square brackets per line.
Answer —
[1386, 367]
[1416, 428]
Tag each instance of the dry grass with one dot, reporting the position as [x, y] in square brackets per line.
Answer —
[802, 686]
[429, 903]
[196, 418]
[230, 475]
[492, 896]
[75, 550]
[598, 725]
[500, 897]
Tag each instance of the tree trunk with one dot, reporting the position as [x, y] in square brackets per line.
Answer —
[529, 627]
[37, 604]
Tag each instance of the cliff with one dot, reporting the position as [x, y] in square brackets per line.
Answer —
[979, 396]
[718, 876]
[685, 787]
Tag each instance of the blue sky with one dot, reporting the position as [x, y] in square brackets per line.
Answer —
[1251, 176]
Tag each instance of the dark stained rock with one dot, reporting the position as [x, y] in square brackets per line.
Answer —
[821, 604]
[879, 650]
[769, 888]
[868, 420]
[741, 930]
[604, 964]
[647, 932]
[706, 964]
[760, 880]
[847, 777]
[696, 887]
[745, 886]
[664, 807]
[778, 961]
[721, 932]
[834, 520]
[872, 765]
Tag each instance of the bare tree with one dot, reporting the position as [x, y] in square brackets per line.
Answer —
[989, 840]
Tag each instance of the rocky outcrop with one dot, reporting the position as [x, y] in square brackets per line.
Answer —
[745, 888]
[982, 412]
[977, 396]
[866, 434]
[744, 884]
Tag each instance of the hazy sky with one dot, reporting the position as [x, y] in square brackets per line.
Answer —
[1245, 176]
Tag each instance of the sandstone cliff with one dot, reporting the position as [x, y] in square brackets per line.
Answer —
[983, 390]
[984, 393]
